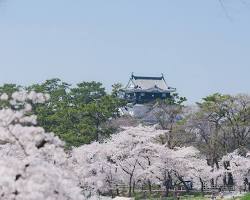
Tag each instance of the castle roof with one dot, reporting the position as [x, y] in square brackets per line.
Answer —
[148, 84]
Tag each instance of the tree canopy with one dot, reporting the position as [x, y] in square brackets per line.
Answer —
[77, 114]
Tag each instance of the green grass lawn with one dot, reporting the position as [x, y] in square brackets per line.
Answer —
[191, 197]
[246, 197]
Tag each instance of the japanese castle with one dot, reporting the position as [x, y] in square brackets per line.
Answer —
[144, 89]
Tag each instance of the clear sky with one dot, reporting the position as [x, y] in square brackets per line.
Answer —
[199, 46]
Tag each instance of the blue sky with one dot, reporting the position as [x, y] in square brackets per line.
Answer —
[193, 42]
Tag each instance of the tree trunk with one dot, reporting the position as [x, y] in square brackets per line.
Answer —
[117, 192]
[167, 190]
[111, 193]
[167, 183]
[202, 187]
[130, 187]
[133, 187]
[230, 179]
[184, 183]
[149, 187]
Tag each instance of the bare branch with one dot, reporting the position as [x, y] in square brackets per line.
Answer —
[225, 11]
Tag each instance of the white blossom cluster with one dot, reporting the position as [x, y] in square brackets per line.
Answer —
[33, 178]
[239, 166]
[24, 96]
[134, 156]
[32, 162]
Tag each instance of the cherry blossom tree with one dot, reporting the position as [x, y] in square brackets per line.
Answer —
[131, 149]
[237, 166]
[118, 160]
[91, 164]
[33, 162]
[176, 166]
[135, 158]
